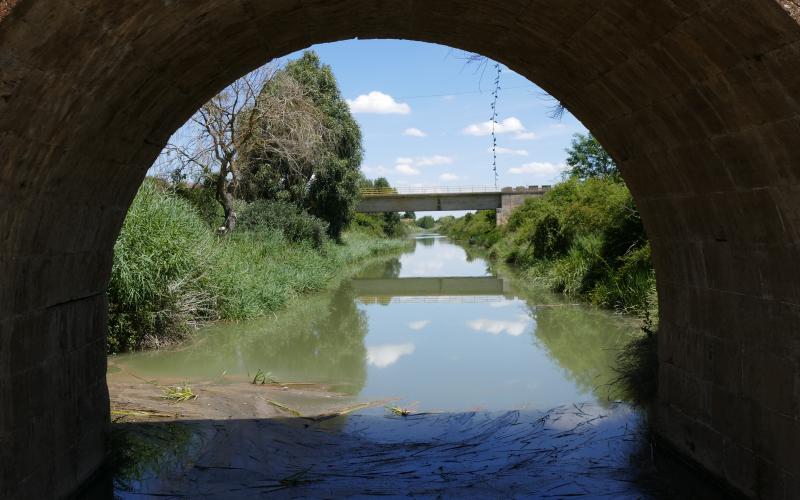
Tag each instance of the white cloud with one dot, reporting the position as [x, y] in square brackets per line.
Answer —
[414, 132]
[427, 161]
[382, 356]
[539, 168]
[449, 98]
[496, 327]
[406, 169]
[447, 176]
[509, 151]
[378, 103]
[379, 170]
[507, 126]
[419, 325]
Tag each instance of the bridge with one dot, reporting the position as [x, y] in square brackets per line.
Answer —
[446, 198]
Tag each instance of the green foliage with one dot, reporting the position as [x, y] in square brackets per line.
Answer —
[158, 279]
[393, 226]
[410, 215]
[170, 270]
[587, 159]
[379, 183]
[294, 223]
[583, 238]
[387, 224]
[333, 194]
[326, 185]
[476, 229]
[179, 393]
[369, 224]
[262, 378]
[426, 222]
[202, 197]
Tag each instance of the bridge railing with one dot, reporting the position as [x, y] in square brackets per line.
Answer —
[428, 190]
[388, 191]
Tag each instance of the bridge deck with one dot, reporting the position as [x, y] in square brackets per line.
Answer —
[440, 198]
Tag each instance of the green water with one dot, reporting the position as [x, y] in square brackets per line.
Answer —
[411, 327]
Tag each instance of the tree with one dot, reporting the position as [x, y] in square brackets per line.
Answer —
[587, 158]
[208, 146]
[332, 195]
[410, 215]
[324, 179]
[426, 222]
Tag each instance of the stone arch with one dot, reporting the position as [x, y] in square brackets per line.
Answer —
[698, 101]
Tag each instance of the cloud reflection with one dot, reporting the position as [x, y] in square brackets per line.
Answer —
[382, 356]
[419, 325]
[496, 327]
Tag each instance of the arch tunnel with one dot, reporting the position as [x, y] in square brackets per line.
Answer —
[697, 100]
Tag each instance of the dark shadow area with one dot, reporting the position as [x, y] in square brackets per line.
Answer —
[576, 450]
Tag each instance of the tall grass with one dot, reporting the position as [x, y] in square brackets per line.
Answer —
[159, 282]
[171, 271]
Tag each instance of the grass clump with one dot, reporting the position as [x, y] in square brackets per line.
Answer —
[400, 411]
[159, 282]
[179, 393]
[263, 378]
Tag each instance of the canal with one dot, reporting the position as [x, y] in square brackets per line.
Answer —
[509, 390]
[434, 327]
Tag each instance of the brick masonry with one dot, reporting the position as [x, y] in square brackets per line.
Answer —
[697, 100]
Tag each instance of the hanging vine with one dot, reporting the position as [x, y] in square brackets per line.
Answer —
[495, 95]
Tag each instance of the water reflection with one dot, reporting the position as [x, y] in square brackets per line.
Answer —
[318, 340]
[381, 356]
[433, 325]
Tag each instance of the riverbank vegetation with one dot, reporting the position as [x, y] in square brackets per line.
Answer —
[251, 208]
[584, 238]
[172, 270]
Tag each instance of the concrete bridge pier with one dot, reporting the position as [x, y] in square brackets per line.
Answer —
[510, 199]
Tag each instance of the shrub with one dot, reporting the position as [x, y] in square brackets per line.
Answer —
[583, 238]
[158, 281]
[426, 222]
[284, 217]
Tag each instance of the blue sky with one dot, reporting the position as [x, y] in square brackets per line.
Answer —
[423, 114]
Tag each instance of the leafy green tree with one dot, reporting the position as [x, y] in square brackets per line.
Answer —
[392, 225]
[410, 215]
[390, 222]
[587, 158]
[426, 222]
[322, 175]
[333, 195]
